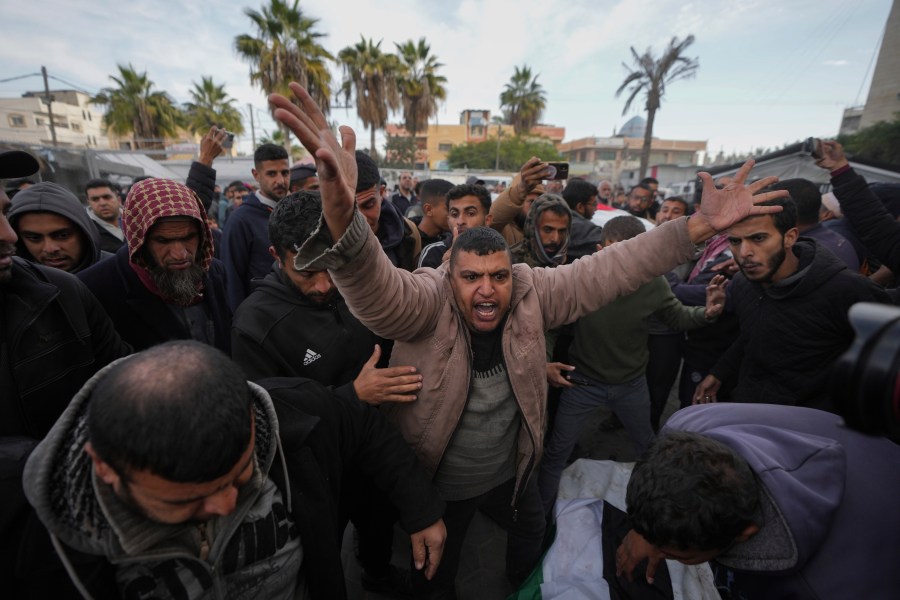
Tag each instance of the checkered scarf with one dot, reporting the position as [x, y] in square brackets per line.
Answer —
[150, 200]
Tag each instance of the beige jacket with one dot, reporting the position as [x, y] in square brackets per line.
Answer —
[418, 310]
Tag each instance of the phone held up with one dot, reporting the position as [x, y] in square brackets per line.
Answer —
[558, 170]
[813, 147]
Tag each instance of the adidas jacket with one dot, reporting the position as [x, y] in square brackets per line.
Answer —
[277, 332]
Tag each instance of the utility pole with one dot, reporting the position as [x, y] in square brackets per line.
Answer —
[252, 126]
[499, 135]
[48, 100]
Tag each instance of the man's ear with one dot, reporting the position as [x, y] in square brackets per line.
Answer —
[274, 254]
[790, 237]
[105, 472]
[488, 220]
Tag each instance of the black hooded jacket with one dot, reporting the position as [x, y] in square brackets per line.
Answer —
[794, 330]
[278, 332]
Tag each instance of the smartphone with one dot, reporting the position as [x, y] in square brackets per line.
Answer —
[813, 147]
[573, 377]
[558, 170]
[228, 142]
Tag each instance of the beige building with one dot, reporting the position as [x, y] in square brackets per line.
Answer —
[433, 146]
[78, 124]
[610, 157]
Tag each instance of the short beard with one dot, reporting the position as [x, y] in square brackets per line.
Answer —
[179, 286]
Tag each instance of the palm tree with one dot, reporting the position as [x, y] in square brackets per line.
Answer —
[651, 76]
[277, 137]
[372, 75]
[132, 107]
[523, 101]
[210, 105]
[286, 48]
[421, 88]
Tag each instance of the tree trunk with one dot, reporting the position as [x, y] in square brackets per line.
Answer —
[287, 140]
[648, 140]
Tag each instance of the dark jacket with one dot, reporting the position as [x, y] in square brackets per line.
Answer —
[54, 336]
[794, 330]
[399, 237]
[319, 434]
[109, 243]
[142, 318]
[278, 332]
[402, 203]
[829, 494]
[202, 180]
[584, 237]
[52, 198]
[245, 248]
[870, 220]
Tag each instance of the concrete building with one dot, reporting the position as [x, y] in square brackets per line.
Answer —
[883, 101]
[615, 158]
[78, 124]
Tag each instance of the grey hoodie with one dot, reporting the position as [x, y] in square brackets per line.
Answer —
[53, 198]
[254, 552]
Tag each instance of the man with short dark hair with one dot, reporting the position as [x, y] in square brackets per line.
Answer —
[235, 192]
[54, 336]
[475, 331]
[54, 229]
[399, 237]
[245, 239]
[432, 224]
[785, 500]
[640, 201]
[405, 196]
[584, 236]
[671, 208]
[808, 199]
[104, 209]
[164, 284]
[791, 298]
[468, 206]
[193, 482]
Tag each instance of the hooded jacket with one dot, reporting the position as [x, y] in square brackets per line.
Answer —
[419, 312]
[828, 519]
[278, 332]
[530, 250]
[792, 331]
[305, 439]
[126, 290]
[53, 198]
[399, 237]
[245, 248]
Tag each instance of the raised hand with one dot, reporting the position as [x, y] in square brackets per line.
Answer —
[720, 209]
[335, 161]
[715, 297]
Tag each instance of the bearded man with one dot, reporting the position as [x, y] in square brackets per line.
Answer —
[164, 284]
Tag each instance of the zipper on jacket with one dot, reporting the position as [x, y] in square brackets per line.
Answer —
[204, 541]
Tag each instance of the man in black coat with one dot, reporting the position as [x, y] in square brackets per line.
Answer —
[164, 284]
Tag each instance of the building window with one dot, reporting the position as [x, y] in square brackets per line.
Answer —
[76, 127]
[39, 122]
[444, 147]
[16, 120]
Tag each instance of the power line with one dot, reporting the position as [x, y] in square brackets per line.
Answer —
[61, 80]
[20, 77]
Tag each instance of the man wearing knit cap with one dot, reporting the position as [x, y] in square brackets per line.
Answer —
[164, 284]
[303, 177]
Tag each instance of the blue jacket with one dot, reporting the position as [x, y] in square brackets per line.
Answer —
[245, 248]
[142, 318]
[829, 503]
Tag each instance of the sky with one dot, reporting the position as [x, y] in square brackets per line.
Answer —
[771, 71]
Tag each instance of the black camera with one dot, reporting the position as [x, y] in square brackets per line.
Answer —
[865, 380]
[813, 147]
[228, 141]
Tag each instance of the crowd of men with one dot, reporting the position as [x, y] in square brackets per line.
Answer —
[201, 389]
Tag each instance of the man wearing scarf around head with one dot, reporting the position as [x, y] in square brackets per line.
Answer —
[164, 283]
